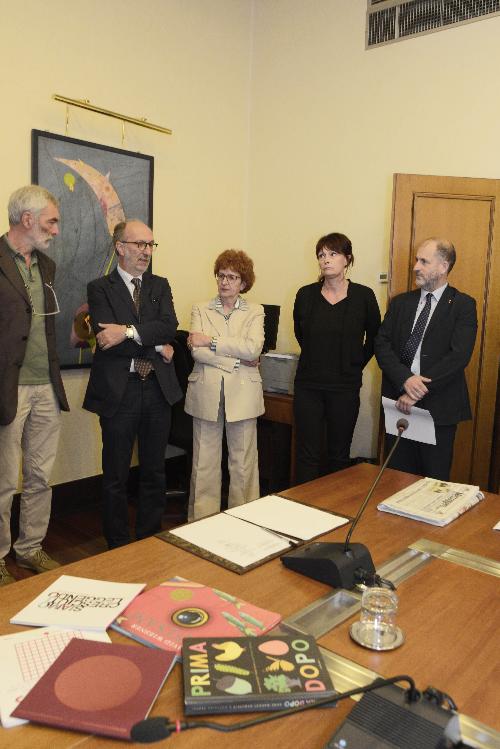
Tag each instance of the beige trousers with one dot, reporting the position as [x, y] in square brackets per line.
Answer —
[34, 433]
[243, 464]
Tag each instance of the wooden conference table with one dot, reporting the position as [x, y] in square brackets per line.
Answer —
[449, 612]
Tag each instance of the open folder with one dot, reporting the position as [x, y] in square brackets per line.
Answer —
[249, 535]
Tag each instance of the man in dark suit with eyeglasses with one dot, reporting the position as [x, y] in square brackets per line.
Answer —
[31, 389]
[132, 383]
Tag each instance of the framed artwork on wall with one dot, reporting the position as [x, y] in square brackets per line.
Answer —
[97, 187]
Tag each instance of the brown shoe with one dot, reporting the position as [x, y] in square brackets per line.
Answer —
[38, 561]
[5, 576]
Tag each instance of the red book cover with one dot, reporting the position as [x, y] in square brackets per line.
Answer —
[97, 687]
[163, 616]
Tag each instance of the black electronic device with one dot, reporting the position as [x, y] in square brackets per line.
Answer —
[342, 565]
[384, 719]
[328, 563]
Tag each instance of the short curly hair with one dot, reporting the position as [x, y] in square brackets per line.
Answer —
[239, 262]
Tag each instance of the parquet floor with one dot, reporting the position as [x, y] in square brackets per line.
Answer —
[75, 535]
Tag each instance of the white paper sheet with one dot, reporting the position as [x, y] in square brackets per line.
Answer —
[232, 539]
[288, 518]
[420, 422]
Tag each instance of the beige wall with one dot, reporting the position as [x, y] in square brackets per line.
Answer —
[284, 128]
[330, 125]
[184, 64]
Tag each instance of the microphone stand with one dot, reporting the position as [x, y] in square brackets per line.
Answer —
[402, 426]
[341, 565]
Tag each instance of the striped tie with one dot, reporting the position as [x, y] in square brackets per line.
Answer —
[410, 348]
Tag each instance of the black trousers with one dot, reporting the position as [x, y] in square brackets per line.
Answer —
[143, 413]
[433, 461]
[314, 410]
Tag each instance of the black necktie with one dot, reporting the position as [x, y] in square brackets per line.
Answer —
[143, 367]
[413, 342]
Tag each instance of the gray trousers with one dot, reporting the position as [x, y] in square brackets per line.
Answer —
[34, 435]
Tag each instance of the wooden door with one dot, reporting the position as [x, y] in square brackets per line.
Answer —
[463, 210]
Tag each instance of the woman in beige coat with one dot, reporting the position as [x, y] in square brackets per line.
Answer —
[225, 387]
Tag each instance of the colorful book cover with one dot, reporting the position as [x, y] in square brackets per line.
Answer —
[247, 674]
[97, 687]
[78, 603]
[163, 616]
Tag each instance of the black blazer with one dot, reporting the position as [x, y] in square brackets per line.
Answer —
[361, 322]
[447, 347]
[111, 302]
[15, 323]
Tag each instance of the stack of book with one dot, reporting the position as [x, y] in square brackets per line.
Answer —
[67, 673]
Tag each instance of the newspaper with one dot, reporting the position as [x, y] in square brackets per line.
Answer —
[433, 501]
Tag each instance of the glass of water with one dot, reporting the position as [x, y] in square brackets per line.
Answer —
[377, 626]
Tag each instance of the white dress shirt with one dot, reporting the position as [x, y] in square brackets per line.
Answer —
[127, 279]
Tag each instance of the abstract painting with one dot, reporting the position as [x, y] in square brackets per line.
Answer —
[97, 187]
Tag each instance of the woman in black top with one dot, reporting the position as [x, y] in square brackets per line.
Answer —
[335, 323]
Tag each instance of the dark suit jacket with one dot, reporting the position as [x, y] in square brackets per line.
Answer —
[111, 302]
[361, 322]
[447, 347]
[15, 323]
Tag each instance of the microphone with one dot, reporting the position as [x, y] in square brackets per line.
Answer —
[151, 730]
[342, 565]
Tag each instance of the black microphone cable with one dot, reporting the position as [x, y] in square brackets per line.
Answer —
[372, 579]
[156, 729]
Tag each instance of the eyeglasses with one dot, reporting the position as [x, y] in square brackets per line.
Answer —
[44, 314]
[141, 244]
[229, 277]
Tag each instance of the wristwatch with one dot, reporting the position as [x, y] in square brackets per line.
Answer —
[129, 332]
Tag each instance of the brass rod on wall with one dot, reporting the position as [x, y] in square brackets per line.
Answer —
[85, 104]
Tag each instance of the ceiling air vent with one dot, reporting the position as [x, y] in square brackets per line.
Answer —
[392, 20]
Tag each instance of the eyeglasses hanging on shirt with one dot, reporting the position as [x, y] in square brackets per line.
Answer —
[56, 303]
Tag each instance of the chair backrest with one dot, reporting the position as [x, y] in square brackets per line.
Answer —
[271, 321]
[181, 430]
